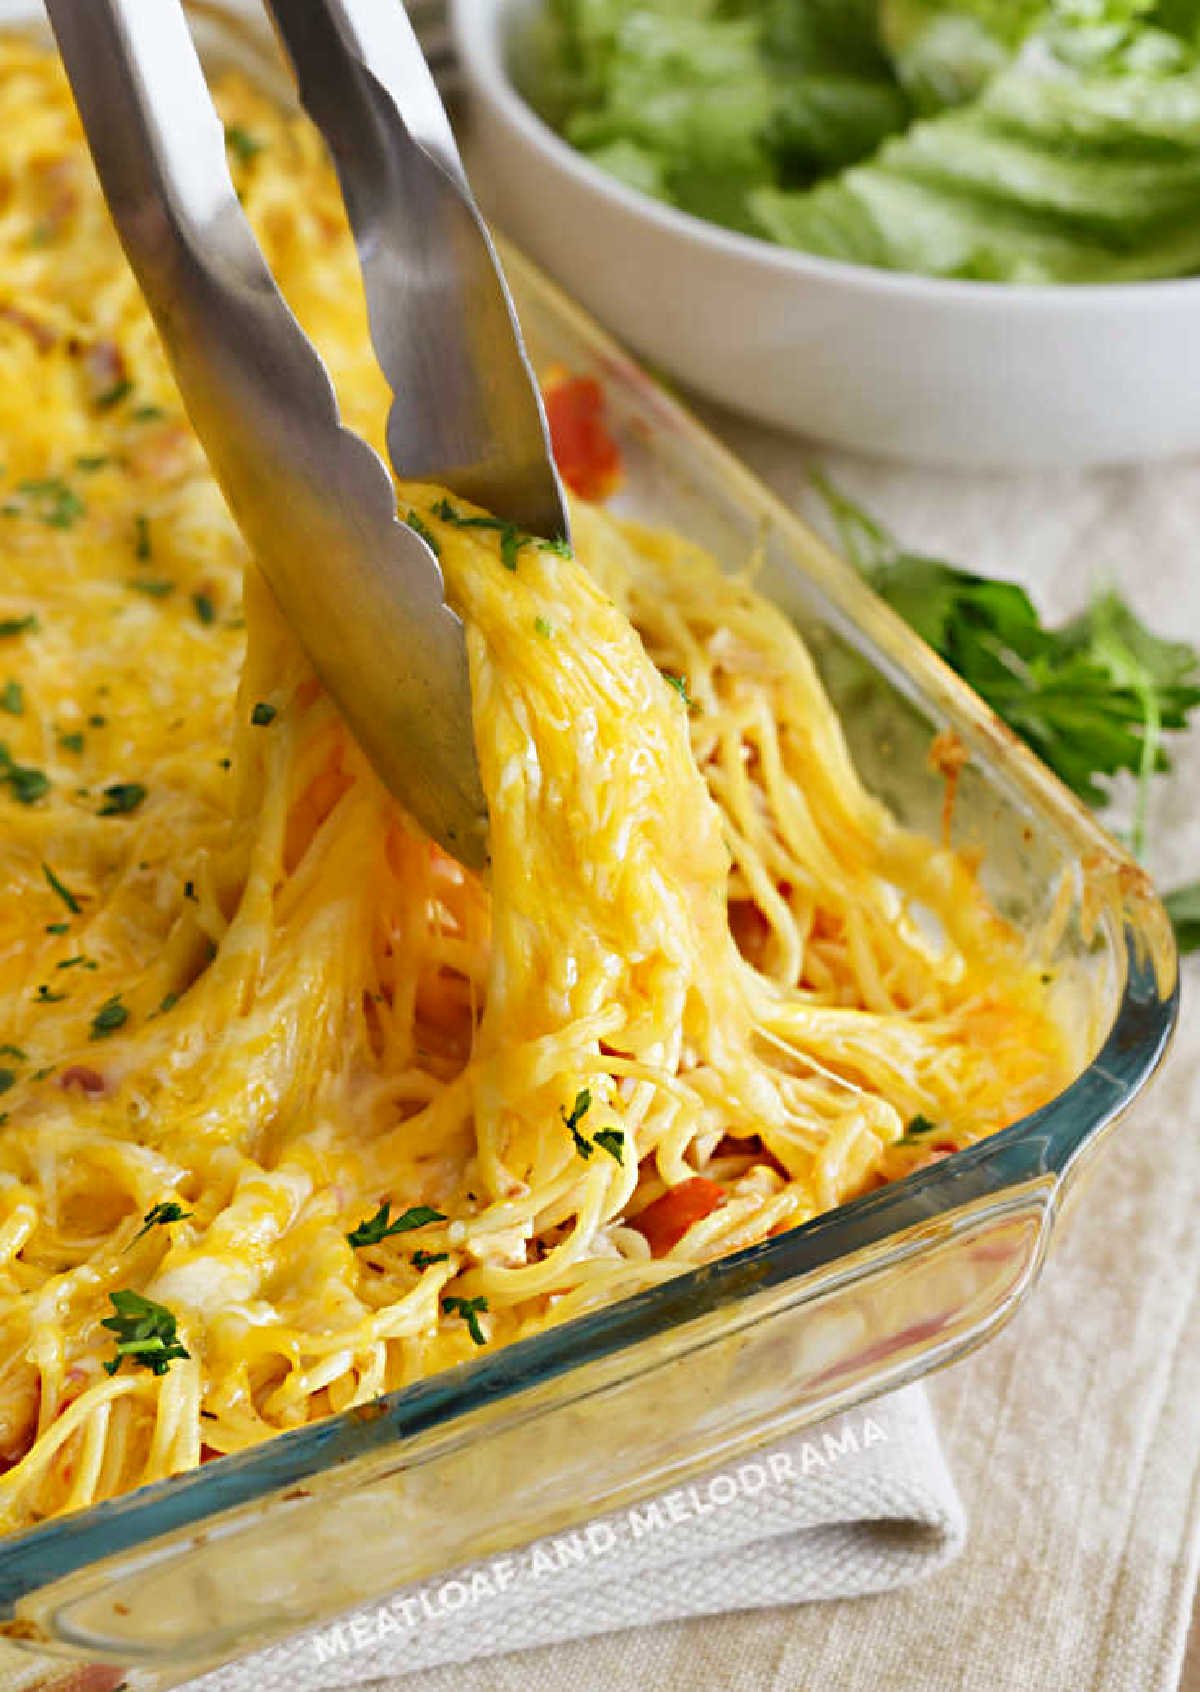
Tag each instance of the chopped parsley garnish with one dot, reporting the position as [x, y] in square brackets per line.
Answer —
[111, 1016]
[420, 527]
[146, 1332]
[242, 144]
[121, 798]
[79, 961]
[263, 715]
[380, 1226]
[423, 1259]
[72, 741]
[90, 463]
[918, 1127]
[54, 502]
[26, 784]
[512, 539]
[14, 1052]
[468, 1309]
[205, 609]
[543, 628]
[113, 396]
[583, 1103]
[612, 1140]
[155, 589]
[64, 893]
[10, 627]
[96, 721]
[12, 699]
[679, 683]
[158, 1216]
[170, 1000]
[142, 548]
[148, 414]
[58, 928]
[8, 1078]
[189, 892]
[45, 997]
[561, 547]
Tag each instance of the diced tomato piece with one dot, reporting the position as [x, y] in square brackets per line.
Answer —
[81, 1076]
[935, 1154]
[586, 453]
[667, 1220]
[105, 368]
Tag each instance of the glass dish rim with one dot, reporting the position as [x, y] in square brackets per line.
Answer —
[1046, 1143]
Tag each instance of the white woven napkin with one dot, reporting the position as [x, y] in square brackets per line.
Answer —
[862, 1503]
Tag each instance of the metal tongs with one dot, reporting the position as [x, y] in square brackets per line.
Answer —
[362, 590]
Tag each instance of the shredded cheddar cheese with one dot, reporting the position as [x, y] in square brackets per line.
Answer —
[296, 1110]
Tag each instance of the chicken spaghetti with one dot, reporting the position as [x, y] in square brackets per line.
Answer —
[295, 1109]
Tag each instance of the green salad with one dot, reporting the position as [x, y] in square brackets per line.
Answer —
[995, 140]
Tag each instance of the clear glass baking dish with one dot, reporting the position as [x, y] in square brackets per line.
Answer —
[617, 1405]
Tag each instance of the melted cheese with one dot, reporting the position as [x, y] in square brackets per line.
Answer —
[234, 978]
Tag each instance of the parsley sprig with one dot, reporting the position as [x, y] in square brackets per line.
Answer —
[1093, 697]
[1183, 908]
[381, 1226]
[146, 1332]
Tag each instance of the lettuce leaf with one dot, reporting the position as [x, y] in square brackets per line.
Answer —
[708, 100]
[998, 140]
[1055, 173]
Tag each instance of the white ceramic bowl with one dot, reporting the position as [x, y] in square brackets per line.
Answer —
[956, 373]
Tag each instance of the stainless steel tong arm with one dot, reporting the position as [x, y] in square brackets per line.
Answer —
[466, 405]
[363, 592]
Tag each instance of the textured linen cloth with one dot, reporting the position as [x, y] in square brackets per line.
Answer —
[858, 1504]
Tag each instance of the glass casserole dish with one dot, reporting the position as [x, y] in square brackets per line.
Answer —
[637, 1398]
